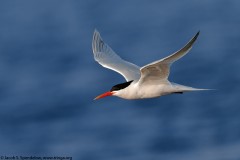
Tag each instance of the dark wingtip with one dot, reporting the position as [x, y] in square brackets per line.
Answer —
[95, 40]
[196, 36]
[198, 33]
[190, 43]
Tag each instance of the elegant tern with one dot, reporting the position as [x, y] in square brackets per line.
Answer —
[148, 81]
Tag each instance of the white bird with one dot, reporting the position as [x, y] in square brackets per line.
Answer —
[148, 81]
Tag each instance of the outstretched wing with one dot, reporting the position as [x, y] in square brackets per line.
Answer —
[106, 57]
[159, 70]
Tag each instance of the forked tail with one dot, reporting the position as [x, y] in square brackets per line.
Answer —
[181, 88]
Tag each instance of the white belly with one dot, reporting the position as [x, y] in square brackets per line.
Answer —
[145, 91]
[155, 91]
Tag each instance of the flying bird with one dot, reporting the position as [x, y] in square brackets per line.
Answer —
[148, 81]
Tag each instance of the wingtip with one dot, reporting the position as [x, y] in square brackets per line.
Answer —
[198, 32]
[95, 31]
[194, 38]
[96, 35]
[95, 40]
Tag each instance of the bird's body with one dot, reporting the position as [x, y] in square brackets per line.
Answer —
[148, 81]
[138, 91]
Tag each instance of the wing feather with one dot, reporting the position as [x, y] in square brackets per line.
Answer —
[106, 57]
[160, 70]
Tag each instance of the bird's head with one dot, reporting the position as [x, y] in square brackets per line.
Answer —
[115, 90]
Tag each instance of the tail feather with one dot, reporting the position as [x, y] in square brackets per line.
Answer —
[182, 88]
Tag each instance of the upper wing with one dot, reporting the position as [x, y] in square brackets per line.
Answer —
[105, 56]
[159, 70]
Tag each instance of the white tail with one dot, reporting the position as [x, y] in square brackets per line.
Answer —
[182, 88]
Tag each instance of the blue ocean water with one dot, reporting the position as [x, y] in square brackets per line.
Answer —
[48, 79]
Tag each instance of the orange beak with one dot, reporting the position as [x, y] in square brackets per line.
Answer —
[104, 95]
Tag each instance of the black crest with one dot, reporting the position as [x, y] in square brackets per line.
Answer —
[121, 86]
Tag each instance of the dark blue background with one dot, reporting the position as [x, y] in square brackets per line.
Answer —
[48, 79]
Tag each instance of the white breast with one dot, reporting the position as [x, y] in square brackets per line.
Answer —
[135, 91]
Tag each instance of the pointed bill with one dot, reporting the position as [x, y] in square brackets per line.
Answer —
[109, 93]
